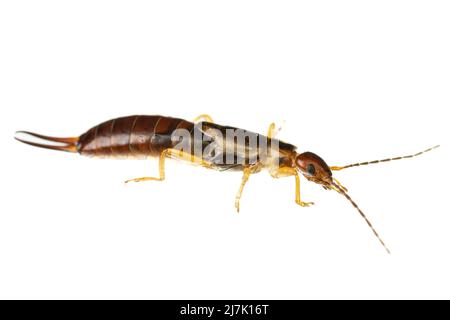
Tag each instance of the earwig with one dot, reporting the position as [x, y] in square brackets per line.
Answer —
[144, 136]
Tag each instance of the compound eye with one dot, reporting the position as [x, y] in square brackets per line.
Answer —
[310, 169]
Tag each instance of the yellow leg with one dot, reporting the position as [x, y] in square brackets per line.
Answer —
[162, 173]
[174, 154]
[297, 193]
[178, 154]
[247, 172]
[204, 117]
[287, 172]
[271, 131]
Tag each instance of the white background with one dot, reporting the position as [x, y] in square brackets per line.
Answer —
[354, 81]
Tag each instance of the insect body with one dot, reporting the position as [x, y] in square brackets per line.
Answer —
[205, 143]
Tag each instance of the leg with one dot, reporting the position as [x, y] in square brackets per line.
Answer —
[162, 173]
[203, 117]
[177, 154]
[247, 172]
[181, 155]
[287, 172]
[272, 132]
[297, 193]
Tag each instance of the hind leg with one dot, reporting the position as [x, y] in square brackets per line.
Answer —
[203, 117]
[176, 154]
[162, 172]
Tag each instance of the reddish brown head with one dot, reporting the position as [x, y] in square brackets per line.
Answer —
[314, 168]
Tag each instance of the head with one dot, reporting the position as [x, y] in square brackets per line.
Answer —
[314, 169]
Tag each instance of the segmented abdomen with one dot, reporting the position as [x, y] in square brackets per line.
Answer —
[135, 136]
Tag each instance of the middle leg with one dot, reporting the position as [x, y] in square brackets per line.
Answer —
[273, 131]
[247, 172]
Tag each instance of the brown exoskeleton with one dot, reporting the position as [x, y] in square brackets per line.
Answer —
[145, 136]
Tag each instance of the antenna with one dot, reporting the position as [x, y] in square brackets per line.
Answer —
[384, 160]
[340, 189]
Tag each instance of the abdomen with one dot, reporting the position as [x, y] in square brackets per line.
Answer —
[131, 137]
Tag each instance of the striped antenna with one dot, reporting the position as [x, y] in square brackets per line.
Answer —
[340, 189]
[384, 160]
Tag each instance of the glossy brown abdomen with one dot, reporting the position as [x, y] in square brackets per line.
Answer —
[131, 137]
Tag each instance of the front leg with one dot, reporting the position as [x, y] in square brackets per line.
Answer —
[297, 193]
[287, 172]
